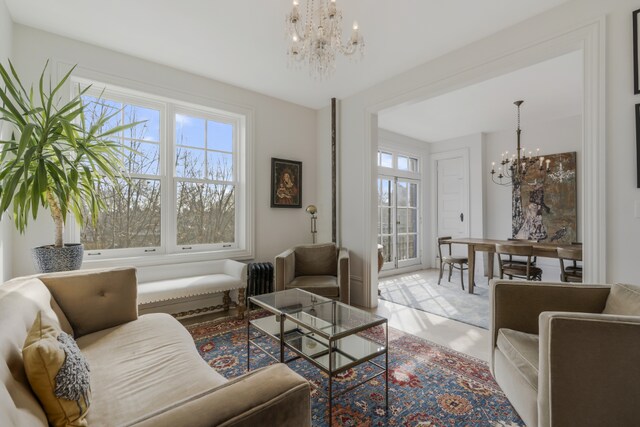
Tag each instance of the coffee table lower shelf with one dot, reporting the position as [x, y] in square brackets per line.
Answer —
[330, 356]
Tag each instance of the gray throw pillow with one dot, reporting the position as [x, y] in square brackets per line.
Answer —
[623, 300]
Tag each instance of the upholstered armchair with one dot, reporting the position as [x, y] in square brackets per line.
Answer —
[567, 355]
[322, 269]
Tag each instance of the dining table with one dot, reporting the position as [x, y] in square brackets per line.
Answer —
[540, 249]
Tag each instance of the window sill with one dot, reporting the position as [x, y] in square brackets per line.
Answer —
[165, 259]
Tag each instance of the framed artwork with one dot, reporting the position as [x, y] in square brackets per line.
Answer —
[286, 183]
[545, 205]
[636, 46]
[638, 145]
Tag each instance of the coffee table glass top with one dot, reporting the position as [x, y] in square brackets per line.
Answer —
[329, 319]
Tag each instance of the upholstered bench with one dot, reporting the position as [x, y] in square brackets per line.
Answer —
[169, 285]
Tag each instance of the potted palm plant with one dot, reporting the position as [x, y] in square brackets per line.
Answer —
[54, 159]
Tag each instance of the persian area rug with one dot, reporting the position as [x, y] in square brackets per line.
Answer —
[429, 385]
[420, 290]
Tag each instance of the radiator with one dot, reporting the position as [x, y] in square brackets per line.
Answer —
[259, 278]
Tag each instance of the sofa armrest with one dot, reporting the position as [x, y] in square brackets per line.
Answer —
[94, 300]
[271, 396]
[589, 371]
[344, 276]
[285, 269]
[517, 305]
[236, 269]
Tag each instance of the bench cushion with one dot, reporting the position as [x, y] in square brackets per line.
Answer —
[186, 287]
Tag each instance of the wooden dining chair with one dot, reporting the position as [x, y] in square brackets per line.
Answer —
[517, 259]
[525, 271]
[570, 270]
[457, 262]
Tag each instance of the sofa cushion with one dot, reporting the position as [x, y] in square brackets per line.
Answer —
[107, 297]
[316, 260]
[142, 367]
[623, 300]
[521, 349]
[326, 286]
[58, 373]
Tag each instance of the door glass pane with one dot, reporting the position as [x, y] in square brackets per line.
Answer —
[386, 218]
[413, 195]
[412, 246]
[402, 220]
[402, 247]
[387, 249]
[413, 221]
[403, 196]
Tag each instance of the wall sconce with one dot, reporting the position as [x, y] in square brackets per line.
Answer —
[313, 211]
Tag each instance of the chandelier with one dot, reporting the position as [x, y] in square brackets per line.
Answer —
[513, 170]
[318, 40]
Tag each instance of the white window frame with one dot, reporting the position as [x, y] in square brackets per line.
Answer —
[169, 251]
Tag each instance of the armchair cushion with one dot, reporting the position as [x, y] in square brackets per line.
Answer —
[316, 260]
[521, 349]
[623, 300]
[325, 286]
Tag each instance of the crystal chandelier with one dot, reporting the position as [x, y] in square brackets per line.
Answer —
[318, 40]
[513, 170]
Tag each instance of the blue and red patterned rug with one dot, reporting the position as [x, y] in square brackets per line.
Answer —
[429, 385]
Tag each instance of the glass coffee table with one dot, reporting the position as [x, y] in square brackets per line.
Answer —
[329, 334]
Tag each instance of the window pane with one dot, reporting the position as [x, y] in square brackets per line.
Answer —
[220, 166]
[402, 247]
[149, 130]
[413, 164]
[219, 136]
[385, 192]
[386, 159]
[95, 108]
[403, 163]
[131, 218]
[387, 249]
[386, 220]
[206, 213]
[189, 163]
[142, 158]
[190, 131]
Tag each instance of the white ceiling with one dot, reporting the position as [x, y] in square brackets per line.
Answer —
[551, 90]
[242, 42]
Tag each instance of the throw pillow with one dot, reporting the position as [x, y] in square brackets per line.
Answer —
[623, 300]
[58, 373]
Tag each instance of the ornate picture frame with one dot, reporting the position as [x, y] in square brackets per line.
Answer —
[286, 183]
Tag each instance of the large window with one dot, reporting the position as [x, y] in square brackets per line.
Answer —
[185, 166]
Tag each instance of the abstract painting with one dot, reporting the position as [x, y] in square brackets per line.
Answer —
[544, 205]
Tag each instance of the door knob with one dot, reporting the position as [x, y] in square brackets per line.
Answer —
[461, 217]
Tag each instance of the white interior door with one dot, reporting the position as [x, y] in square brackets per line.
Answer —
[453, 198]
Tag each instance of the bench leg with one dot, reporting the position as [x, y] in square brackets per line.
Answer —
[226, 301]
[241, 304]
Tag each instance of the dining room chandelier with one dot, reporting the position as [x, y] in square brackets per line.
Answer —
[317, 40]
[513, 169]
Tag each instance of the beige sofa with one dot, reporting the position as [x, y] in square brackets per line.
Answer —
[322, 269]
[145, 370]
[568, 354]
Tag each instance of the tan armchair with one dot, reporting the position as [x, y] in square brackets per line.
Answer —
[322, 269]
[567, 355]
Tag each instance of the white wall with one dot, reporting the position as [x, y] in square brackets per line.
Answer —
[281, 129]
[623, 229]
[323, 180]
[6, 37]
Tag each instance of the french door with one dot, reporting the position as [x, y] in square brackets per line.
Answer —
[399, 221]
